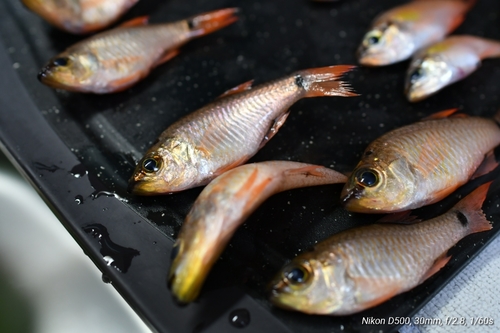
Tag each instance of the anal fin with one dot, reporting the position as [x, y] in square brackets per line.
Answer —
[166, 57]
[489, 163]
[278, 122]
[439, 263]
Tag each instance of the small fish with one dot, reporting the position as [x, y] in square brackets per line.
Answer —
[223, 206]
[114, 60]
[396, 34]
[228, 131]
[422, 163]
[363, 267]
[446, 62]
[80, 16]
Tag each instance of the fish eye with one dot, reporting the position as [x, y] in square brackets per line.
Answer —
[60, 61]
[151, 164]
[296, 274]
[416, 74]
[373, 38]
[367, 177]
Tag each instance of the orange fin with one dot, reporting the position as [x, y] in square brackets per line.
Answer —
[211, 21]
[383, 291]
[274, 129]
[403, 217]
[231, 166]
[470, 208]
[136, 22]
[439, 263]
[489, 163]
[441, 114]
[439, 195]
[240, 88]
[324, 81]
[166, 57]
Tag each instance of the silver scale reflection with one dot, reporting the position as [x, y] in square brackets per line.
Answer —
[47, 284]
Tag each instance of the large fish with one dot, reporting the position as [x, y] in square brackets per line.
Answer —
[228, 131]
[114, 60]
[422, 163]
[80, 16]
[446, 62]
[398, 33]
[363, 267]
[223, 206]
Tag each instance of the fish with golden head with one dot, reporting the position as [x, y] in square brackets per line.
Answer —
[398, 33]
[363, 267]
[446, 62]
[422, 163]
[227, 132]
[116, 59]
[223, 206]
[80, 16]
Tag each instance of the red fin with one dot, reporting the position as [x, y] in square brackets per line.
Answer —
[274, 129]
[440, 262]
[441, 114]
[324, 81]
[136, 22]
[212, 21]
[489, 163]
[470, 206]
[166, 57]
[240, 88]
[438, 196]
[403, 217]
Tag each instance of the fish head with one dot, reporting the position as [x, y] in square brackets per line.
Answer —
[386, 43]
[378, 187]
[426, 76]
[163, 170]
[70, 71]
[310, 286]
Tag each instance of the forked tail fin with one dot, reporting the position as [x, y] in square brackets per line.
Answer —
[325, 81]
[209, 22]
[469, 210]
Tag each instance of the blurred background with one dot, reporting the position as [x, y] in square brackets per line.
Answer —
[47, 283]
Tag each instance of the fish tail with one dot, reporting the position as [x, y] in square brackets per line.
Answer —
[209, 22]
[469, 210]
[324, 81]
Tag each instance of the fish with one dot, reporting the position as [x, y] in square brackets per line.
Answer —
[223, 205]
[362, 267]
[227, 132]
[80, 16]
[421, 163]
[116, 59]
[446, 62]
[397, 34]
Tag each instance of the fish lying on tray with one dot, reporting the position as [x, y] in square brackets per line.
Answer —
[446, 62]
[80, 16]
[363, 267]
[115, 60]
[223, 206]
[227, 132]
[398, 33]
[422, 163]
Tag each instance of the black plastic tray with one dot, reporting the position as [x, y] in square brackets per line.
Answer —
[72, 147]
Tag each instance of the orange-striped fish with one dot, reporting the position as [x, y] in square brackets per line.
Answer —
[422, 163]
[363, 267]
[114, 60]
[446, 62]
[80, 16]
[228, 131]
[396, 34]
[223, 206]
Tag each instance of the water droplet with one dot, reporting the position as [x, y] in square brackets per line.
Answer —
[79, 199]
[78, 171]
[109, 260]
[106, 279]
[239, 318]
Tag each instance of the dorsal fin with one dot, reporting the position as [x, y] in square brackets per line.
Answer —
[443, 114]
[239, 88]
[135, 22]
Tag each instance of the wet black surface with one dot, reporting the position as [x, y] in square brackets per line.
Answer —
[107, 134]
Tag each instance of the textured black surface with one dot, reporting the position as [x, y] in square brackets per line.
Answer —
[74, 146]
